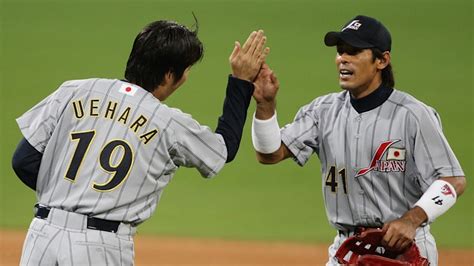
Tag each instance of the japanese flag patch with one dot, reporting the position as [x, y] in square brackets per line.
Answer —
[396, 154]
[128, 89]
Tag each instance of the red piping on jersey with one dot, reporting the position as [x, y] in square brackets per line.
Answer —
[378, 154]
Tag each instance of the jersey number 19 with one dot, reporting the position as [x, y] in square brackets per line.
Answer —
[120, 170]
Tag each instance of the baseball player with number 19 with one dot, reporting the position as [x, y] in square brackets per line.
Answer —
[385, 162]
[99, 152]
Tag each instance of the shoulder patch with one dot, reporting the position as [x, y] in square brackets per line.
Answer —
[128, 89]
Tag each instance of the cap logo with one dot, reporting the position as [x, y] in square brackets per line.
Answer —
[354, 25]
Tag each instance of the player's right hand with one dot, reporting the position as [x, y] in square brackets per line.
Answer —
[247, 60]
[266, 85]
[266, 88]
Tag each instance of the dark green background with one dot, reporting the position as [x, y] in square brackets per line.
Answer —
[43, 44]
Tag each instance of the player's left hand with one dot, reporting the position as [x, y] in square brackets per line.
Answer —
[400, 233]
[247, 60]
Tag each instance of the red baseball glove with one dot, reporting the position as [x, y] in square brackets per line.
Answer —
[365, 249]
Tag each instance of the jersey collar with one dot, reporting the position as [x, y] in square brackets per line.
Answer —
[373, 100]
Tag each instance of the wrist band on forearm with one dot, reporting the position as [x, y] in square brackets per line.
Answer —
[437, 199]
[266, 136]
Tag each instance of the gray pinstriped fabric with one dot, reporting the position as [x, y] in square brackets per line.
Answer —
[63, 239]
[379, 188]
[180, 141]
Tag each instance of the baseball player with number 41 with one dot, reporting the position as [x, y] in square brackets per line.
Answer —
[385, 162]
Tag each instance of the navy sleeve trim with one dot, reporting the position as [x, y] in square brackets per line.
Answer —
[26, 163]
[231, 122]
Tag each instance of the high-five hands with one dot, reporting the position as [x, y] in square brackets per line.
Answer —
[247, 60]
[266, 85]
[266, 89]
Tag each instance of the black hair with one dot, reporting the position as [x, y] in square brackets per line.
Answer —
[388, 79]
[162, 46]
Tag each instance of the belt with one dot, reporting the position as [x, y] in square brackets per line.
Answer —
[353, 231]
[42, 212]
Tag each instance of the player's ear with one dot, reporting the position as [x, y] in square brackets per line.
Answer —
[168, 78]
[384, 60]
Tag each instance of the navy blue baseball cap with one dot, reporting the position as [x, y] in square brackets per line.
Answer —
[361, 32]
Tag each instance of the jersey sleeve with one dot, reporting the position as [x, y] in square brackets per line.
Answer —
[38, 123]
[197, 146]
[432, 154]
[301, 136]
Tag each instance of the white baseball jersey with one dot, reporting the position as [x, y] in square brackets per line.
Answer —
[375, 165]
[110, 147]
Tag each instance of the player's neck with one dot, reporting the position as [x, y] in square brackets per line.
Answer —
[162, 92]
[366, 89]
[373, 100]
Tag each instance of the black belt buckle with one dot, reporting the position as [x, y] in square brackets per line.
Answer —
[355, 230]
[102, 225]
[41, 212]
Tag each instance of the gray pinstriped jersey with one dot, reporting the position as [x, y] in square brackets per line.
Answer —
[109, 148]
[375, 165]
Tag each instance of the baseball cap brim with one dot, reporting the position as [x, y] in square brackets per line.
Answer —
[332, 38]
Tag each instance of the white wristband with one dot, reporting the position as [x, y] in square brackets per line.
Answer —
[266, 136]
[437, 199]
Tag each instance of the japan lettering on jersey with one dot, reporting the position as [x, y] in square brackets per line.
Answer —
[394, 161]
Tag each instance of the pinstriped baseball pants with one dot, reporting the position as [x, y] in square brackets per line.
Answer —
[64, 239]
[424, 240]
